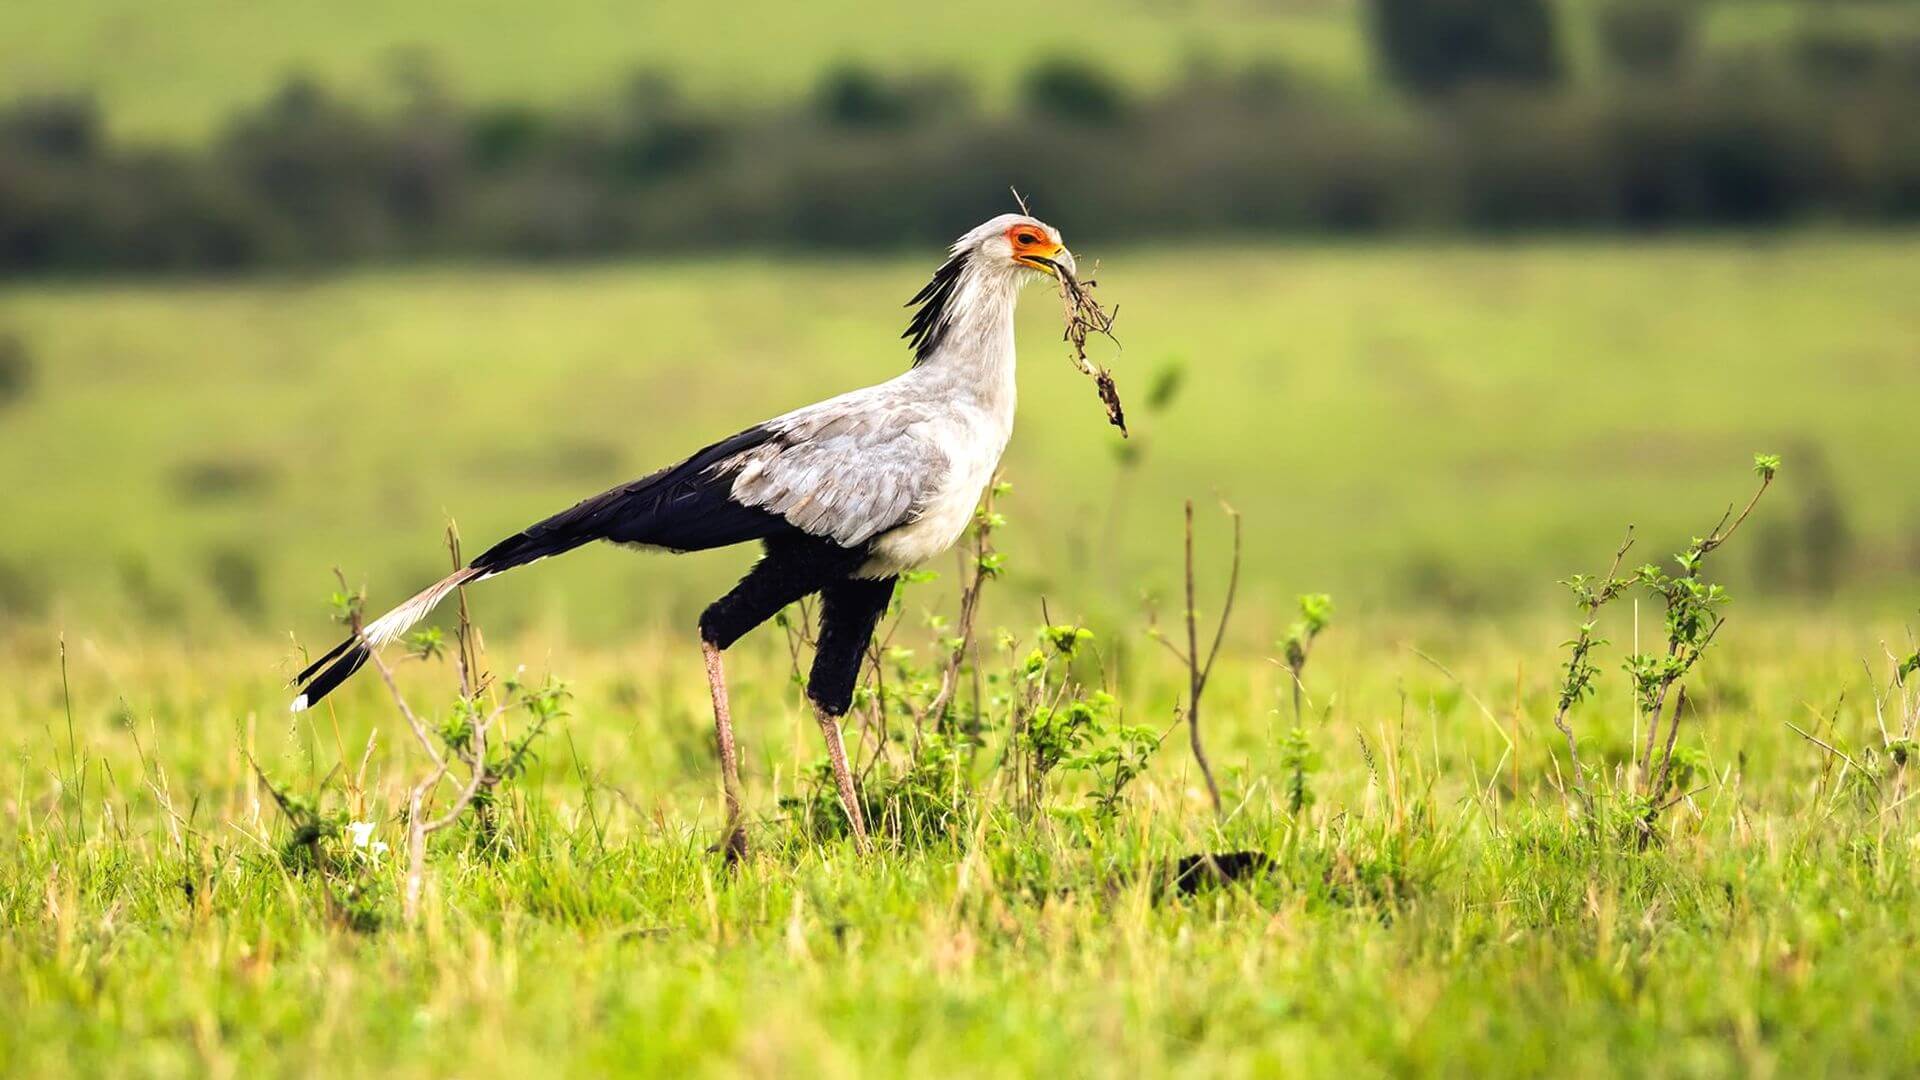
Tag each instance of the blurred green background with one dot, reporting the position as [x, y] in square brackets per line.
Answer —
[1441, 293]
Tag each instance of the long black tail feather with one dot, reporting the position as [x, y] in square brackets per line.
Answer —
[347, 657]
[331, 655]
[687, 507]
[340, 662]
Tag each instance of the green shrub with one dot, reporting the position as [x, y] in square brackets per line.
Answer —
[1649, 38]
[309, 178]
[1074, 91]
[1433, 47]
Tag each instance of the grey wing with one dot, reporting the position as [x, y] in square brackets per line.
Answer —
[848, 469]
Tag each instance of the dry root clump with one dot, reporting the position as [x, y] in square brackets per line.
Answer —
[1085, 317]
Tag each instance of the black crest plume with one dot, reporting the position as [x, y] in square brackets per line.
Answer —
[930, 322]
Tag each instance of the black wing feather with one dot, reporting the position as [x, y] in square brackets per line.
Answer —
[685, 507]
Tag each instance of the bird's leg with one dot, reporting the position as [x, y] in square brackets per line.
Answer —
[843, 775]
[849, 611]
[734, 842]
[789, 572]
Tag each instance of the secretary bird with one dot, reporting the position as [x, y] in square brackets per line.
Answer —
[844, 495]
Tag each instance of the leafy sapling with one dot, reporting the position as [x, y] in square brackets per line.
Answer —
[1692, 622]
[1297, 755]
[1590, 594]
[345, 603]
[427, 644]
[1316, 613]
[1062, 726]
[1115, 763]
[460, 747]
[1298, 759]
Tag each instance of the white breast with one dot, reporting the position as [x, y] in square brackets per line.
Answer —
[974, 441]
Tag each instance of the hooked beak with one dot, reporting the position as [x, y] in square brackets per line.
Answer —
[1053, 262]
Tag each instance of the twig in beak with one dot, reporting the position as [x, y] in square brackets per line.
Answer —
[1084, 317]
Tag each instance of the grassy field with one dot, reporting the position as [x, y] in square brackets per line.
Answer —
[1433, 434]
[180, 72]
[1405, 427]
[1433, 909]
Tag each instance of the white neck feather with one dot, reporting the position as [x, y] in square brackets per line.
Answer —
[975, 355]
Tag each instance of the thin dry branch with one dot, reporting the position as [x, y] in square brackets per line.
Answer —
[1827, 746]
[969, 607]
[1673, 736]
[1718, 537]
[468, 650]
[1197, 670]
[1668, 682]
[473, 756]
[406, 711]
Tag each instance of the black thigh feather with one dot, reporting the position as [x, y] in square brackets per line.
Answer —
[796, 565]
[849, 610]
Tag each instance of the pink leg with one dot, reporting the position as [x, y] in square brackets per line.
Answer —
[734, 843]
[843, 777]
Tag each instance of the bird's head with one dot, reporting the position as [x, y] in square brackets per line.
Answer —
[982, 275]
[1016, 242]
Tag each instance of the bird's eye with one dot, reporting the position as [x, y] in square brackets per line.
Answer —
[1027, 238]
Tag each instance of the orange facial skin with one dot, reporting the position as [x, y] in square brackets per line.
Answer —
[1032, 245]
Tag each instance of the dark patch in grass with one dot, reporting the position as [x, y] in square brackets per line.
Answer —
[1193, 874]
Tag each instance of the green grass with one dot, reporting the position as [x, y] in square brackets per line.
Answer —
[1433, 434]
[1402, 426]
[1432, 911]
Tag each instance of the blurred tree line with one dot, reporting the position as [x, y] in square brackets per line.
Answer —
[1488, 132]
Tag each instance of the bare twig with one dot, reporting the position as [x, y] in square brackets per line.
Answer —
[1673, 735]
[1667, 684]
[1198, 671]
[468, 651]
[969, 605]
[1718, 537]
[1233, 589]
[406, 711]
[1827, 746]
[471, 754]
